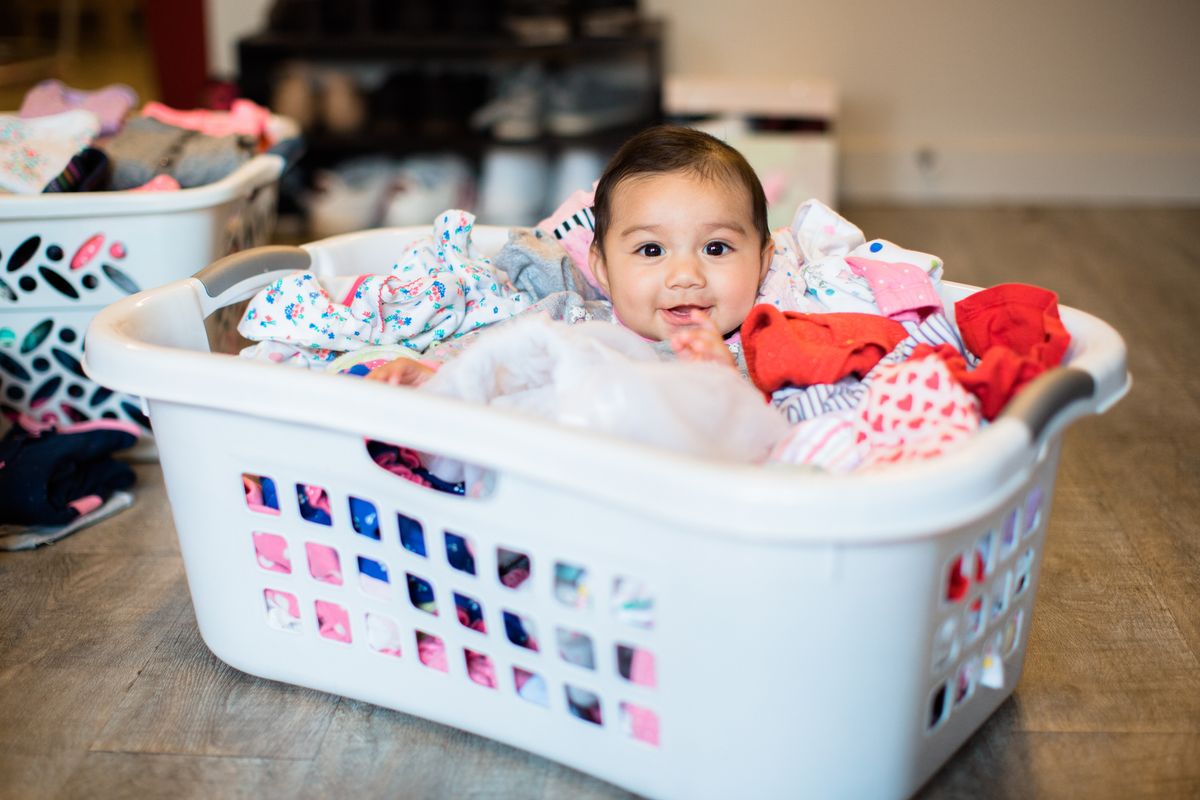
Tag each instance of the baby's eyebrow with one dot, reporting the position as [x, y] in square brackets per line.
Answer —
[734, 226]
[635, 228]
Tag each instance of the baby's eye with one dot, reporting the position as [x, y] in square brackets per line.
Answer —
[650, 250]
[716, 249]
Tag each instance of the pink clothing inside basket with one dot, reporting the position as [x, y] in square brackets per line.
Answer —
[159, 183]
[254, 496]
[271, 551]
[577, 241]
[283, 601]
[333, 621]
[244, 118]
[902, 291]
[642, 723]
[480, 670]
[323, 563]
[318, 499]
[641, 668]
[432, 652]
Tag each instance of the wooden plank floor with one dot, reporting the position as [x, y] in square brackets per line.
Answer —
[107, 691]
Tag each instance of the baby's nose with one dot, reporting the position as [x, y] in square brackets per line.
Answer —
[685, 272]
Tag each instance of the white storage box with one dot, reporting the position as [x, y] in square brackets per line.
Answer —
[65, 256]
[783, 127]
[681, 628]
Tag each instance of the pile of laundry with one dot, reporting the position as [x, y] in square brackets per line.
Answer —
[850, 343]
[56, 480]
[69, 140]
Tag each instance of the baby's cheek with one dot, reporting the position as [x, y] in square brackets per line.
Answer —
[738, 313]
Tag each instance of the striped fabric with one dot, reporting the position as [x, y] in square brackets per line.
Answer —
[86, 171]
[799, 404]
[582, 218]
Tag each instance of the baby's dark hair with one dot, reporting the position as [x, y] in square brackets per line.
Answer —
[673, 148]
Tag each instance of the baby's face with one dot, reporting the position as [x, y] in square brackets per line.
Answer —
[679, 242]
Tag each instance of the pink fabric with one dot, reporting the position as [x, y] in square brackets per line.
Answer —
[480, 670]
[432, 652]
[916, 410]
[271, 552]
[86, 504]
[159, 183]
[902, 291]
[641, 668]
[244, 118]
[578, 240]
[283, 600]
[323, 563]
[318, 499]
[254, 496]
[333, 621]
[31, 425]
[401, 463]
[110, 104]
[514, 578]
[354, 288]
[643, 723]
[913, 410]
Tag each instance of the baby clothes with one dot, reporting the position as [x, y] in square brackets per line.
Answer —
[793, 349]
[903, 292]
[244, 118]
[784, 286]
[538, 265]
[800, 403]
[110, 104]
[87, 171]
[837, 285]
[606, 379]
[810, 271]
[573, 225]
[912, 410]
[1016, 331]
[146, 148]
[33, 152]
[440, 290]
[819, 231]
[51, 477]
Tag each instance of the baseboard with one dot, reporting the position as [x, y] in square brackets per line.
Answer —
[1092, 172]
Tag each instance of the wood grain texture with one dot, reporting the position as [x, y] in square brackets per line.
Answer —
[106, 689]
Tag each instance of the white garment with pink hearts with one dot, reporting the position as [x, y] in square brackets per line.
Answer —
[913, 410]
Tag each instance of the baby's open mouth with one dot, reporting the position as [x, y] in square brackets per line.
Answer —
[683, 314]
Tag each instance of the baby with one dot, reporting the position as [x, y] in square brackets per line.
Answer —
[681, 244]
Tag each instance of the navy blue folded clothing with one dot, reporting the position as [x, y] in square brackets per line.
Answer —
[52, 477]
[86, 172]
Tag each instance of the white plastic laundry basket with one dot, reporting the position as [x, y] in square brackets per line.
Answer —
[798, 634]
[65, 256]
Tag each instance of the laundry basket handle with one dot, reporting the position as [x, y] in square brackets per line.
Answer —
[219, 276]
[1039, 403]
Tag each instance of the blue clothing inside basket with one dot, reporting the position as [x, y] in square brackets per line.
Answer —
[391, 457]
[364, 517]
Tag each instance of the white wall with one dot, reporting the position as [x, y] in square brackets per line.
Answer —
[1043, 100]
[226, 21]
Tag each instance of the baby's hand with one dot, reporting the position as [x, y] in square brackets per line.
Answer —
[401, 372]
[702, 342]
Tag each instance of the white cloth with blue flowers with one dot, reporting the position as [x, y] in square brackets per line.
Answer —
[440, 290]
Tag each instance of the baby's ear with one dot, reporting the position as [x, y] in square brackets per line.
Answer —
[768, 252]
[598, 267]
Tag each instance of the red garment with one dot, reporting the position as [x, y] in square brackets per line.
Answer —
[787, 348]
[1017, 334]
